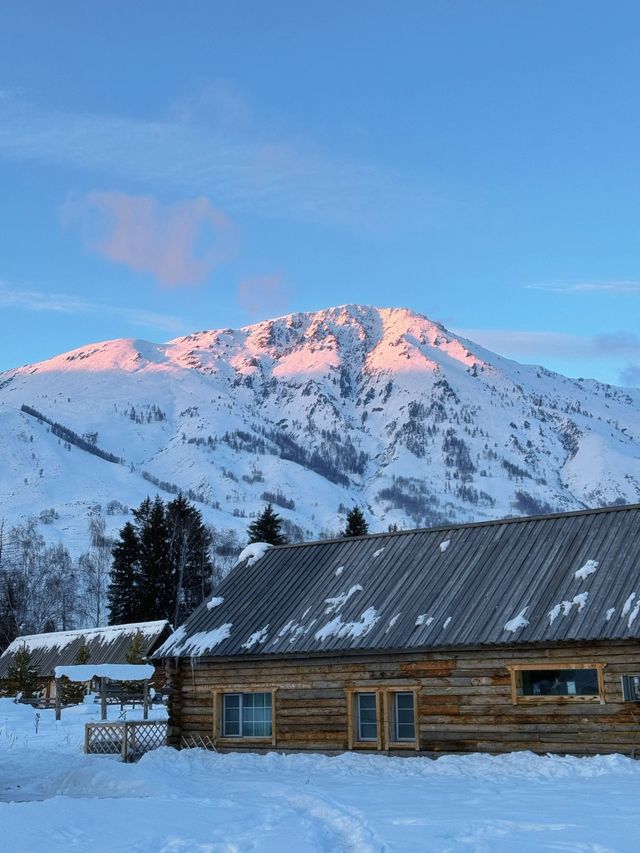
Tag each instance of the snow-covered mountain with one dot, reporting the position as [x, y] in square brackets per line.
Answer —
[316, 412]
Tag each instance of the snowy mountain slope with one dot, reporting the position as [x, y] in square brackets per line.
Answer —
[382, 407]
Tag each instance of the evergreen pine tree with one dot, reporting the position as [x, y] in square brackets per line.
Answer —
[125, 585]
[190, 541]
[356, 523]
[156, 577]
[267, 528]
[23, 677]
[134, 655]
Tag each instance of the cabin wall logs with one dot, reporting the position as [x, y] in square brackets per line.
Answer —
[464, 699]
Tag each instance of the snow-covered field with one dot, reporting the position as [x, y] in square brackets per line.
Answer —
[54, 798]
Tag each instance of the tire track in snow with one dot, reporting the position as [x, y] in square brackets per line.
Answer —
[350, 833]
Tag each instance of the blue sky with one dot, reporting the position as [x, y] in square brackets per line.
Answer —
[167, 167]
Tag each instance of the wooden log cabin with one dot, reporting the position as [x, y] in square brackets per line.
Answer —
[495, 636]
[107, 645]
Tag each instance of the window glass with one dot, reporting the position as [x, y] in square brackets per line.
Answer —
[405, 728]
[247, 715]
[559, 682]
[367, 716]
[256, 714]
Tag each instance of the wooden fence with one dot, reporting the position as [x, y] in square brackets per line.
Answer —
[130, 740]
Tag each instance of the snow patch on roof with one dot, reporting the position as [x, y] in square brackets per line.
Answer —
[355, 629]
[197, 644]
[588, 569]
[444, 545]
[253, 552]
[424, 619]
[339, 571]
[114, 671]
[61, 639]
[392, 622]
[378, 552]
[610, 613]
[627, 605]
[216, 601]
[338, 601]
[566, 606]
[517, 622]
[634, 613]
[446, 622]
[259, 636]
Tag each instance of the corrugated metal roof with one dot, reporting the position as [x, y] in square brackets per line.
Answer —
[110, 644]
[402, 590]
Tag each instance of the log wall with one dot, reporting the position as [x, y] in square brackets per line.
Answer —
[464, 700]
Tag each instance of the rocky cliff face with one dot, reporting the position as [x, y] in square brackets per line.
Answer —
[316, 412]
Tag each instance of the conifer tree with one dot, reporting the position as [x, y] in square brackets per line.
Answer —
[356, 523]
[23, 677]
[189, 540]
[134, 655]
[156, 592]
[125, 586]
[267, 528]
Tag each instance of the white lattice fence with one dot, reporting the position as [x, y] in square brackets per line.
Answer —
[130, 740]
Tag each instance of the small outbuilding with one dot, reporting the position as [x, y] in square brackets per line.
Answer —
[503, 635]
[109, 645]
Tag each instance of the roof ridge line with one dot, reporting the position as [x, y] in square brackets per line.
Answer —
[516, 519]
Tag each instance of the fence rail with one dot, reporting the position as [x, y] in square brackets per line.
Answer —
[130, 740]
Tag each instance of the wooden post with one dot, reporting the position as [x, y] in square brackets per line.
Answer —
[125, 731]
[58, 699]
[145, 699]
[103, 698]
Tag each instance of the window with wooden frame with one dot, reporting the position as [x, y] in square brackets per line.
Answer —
[533, 683]
[239, 714]
[381, 717]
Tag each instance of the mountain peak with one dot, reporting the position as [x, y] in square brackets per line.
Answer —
[316, 412]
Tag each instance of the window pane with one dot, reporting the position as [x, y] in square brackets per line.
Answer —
[560, 682]
[405, 716]
[256, 714]
[231, 715]
[367, 716]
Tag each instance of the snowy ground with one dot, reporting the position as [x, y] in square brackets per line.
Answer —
[55, 798]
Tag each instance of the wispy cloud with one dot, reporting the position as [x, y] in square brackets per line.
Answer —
[265, 295]
[585, 287]
[541, 345]
[178, 244]
[64, 303]
[240, 166]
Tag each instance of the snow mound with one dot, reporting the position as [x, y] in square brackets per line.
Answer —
[253, 552]
[517, 622]
[114, 671]
[588, 569]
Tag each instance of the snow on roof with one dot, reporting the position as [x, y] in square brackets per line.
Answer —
[253, 552]
[517, 622]
[444, 545]
[589, 568]
[60, 639]
[301, 595]
[114, 671]
[106, 645]
[197, 644]
[357, 628]
[216, 601]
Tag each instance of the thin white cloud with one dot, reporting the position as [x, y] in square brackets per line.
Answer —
[237, 166]
[541, 345]
[580, 288]
[64, 303]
